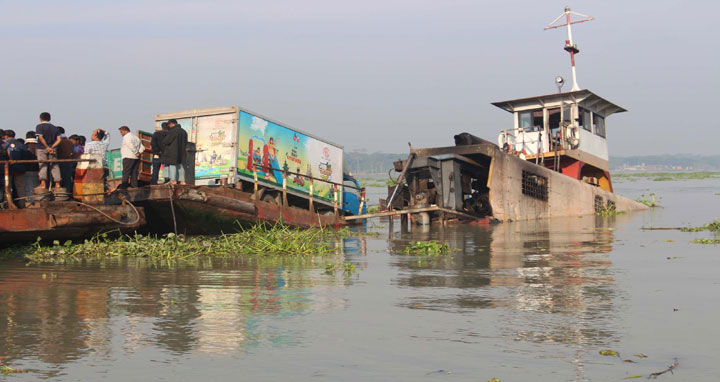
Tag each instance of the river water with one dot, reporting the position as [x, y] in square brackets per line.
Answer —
[518, 301]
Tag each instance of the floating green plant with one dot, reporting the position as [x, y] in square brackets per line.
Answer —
[609, 210]
[259, 240]
[713, 226]
[706, 241]
[347, 268]
[651, 200]
[427, 248]
[610, 353]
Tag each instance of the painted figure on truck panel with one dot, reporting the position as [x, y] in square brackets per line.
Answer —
[272, 158]
[270, 144]
[214, 145]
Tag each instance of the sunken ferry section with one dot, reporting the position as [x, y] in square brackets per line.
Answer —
[552, 162]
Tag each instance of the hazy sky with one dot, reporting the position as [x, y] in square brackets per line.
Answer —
[364, 74]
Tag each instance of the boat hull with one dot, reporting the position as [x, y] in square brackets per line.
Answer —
[207, 210]
[510, 188]
[565, 196]
[67, 221]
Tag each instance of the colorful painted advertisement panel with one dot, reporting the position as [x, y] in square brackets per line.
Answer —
[269, 148]
[114, 161]
[215, 149]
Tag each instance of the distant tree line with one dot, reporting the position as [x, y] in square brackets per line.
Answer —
[365, 162]
[691, 162]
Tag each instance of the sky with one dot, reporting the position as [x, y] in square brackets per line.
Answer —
[366, 74]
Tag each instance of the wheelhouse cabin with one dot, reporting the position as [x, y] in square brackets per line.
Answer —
[565, 132]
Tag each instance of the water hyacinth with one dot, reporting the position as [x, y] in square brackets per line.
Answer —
[427, 248]
[713, 226]
[259, 240]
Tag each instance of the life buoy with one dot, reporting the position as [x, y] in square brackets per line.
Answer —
[572, 136]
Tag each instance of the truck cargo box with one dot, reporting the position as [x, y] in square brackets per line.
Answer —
[234, 144]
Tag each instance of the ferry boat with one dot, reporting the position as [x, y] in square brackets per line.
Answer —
[553, 161]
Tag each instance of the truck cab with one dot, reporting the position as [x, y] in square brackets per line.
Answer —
[352, 196]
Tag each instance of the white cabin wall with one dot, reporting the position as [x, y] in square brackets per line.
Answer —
[593, 144]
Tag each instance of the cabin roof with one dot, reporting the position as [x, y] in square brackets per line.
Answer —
[584, 98]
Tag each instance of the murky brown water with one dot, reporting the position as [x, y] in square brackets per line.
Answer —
[519, 301]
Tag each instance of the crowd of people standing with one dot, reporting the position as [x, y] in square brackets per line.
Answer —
[49, 142]
[46, 143]
[169, 148]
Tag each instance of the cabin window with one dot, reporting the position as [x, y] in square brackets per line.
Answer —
[567, 114]
[584, 119]
[535, 186]
[554, 121]
[599, 125]
[530, 119]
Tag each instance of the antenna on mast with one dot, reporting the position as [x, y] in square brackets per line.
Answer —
[570, 47]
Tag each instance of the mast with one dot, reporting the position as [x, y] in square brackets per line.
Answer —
[570, 47]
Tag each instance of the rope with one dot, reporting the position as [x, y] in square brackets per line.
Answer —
[137, 214]
[172, 206]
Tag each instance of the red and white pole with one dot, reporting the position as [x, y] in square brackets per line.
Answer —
[571, 51]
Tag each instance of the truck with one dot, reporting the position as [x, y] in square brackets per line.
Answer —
[234, 146]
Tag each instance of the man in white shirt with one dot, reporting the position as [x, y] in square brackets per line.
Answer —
[130, 151]
[98, 145]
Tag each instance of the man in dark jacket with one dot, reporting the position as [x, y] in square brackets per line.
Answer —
[174, 145]
[156, 145]
[15, 150]
[64, 151]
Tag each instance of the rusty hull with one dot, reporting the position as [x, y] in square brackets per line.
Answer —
[213, 209]
[565, 197]
[65, 220]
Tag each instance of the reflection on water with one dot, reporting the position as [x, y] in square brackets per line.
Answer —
[512, 285]
[60, 314]
[552, 279]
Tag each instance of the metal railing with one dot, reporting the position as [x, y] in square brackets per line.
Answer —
[516, 136]
[6, 164]
[565, 137]
[310, 187]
